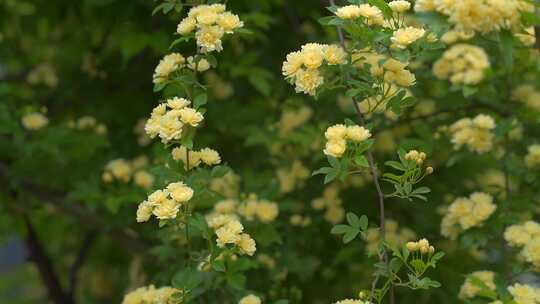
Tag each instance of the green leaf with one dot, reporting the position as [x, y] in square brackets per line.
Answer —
[187, 279]
[218, 265]
[421, 190]
[469, 91]
[353, 220]
[340, 229]
[331, 176]
[350, 235]
[236, 280]
[507, 40]
[219, 171]
[362, 161]
[395, 165]
[436, 257]
[363, 222]
[200, 100]
[323, 170]
[334, 162]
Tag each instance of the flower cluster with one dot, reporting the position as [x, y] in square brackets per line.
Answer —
[465, 213]
[86, 123]
[34, 121]
[44, 73]
[299, 220]
[119, 169]
[302, 67]
[175, 62]
[476, 134]
[124, 170]
[164, 204]
[390, 70]
[417, 157]
[250, 299]
[205, 156]
[470, 290]
[151, 295]
[289, 178]
[262, 210]
[291, 119]
[331, 203]
[338, 135]
[462, 64]
[169, 119]
[253, 208]
[227, 185]
[453, 36]
[404, 37]
[532, 159]
[422, 245]
[528, 95]
[370, 14]
[478, 15]
[230, 231]
[393, 235]
[210, 23]
[526, 235]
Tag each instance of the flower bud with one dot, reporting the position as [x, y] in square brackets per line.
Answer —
[423, 243]
[424, 249]
[431, 249]
[429, 170]
[412, 246]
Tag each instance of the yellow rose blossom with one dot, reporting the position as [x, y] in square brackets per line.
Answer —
[34, 121]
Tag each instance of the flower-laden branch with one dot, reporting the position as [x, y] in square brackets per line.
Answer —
[216, 242]
[373, 69]
[373, 169]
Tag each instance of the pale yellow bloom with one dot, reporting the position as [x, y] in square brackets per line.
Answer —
[34, 121]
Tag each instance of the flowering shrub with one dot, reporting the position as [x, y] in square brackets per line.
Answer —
[348, 152]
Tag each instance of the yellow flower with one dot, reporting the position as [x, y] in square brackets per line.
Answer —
[143, 179]
[167, 65]
[190, 116]
[229, 22]
[186, 26]
[405, 36]
[307, 81]
[166, 209]
[209, 38]
[523, 294]
[470, 290]
[34, 121]
[335, 147]
[348, 12]
[334, 54]
[357, 133]
[201, 65]
[246, 244]
[399, 6]
[250, 299]
[179, 192]
[209, 156]
[144, 211]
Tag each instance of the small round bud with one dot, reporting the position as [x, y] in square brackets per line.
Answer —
[429, 170]
[424, 249]
[106, 177]
[431, 249]
[362, 295]
[423, 243]
[412, 246]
